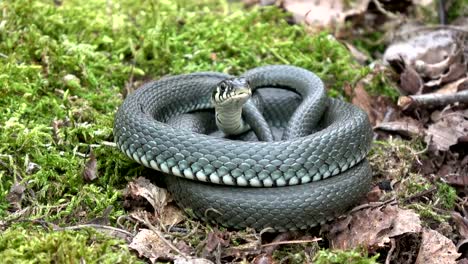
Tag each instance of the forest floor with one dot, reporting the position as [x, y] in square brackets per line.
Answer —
[68, 195]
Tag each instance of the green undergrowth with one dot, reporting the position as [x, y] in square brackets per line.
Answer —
[338, 256]
[35, 245]
[457, 9]
[65, 66]
[396, 161]
[312, 254]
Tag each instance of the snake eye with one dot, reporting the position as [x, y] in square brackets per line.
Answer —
[222, 87]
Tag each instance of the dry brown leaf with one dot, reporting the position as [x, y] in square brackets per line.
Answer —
[214, 240]
[171, 215]
[90, 170]
[374, 194]
[436, 249]
[453, 87]
[446, 132]
[362, 99]
[429, 47]
[405, 126]
[382, 223]
[462, 224]
[456, 71]
[410, 82]
[263, 259]
[456, 180]
[141, 192]
[322, 12]
[15, 196]
[142, 187]
[150, 246]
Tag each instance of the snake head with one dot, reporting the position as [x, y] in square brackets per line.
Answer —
[231, 92]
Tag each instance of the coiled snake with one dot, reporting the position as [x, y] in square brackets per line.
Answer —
[316, 170]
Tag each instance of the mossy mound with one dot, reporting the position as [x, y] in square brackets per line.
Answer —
[65, 66]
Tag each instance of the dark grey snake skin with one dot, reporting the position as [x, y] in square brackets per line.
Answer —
[316, 176]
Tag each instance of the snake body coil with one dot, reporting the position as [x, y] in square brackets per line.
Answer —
[318, 169]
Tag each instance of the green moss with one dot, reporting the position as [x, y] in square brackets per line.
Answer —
[414, 184]
[339, 256]
[64, 67]
[381, 85]
[68, 64]
[427, 213]
[457, 8]
[446, 195]
[34, 245]
[371, 43]
[394, 158]
[296, 253]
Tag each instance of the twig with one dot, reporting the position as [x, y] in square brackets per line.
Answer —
[390, 252]
[109, 144]
[96, 226]
[420, 194]
[432, 99]
[128, 218]
[436, 27]
[381, 9]
[269, 248]
[391, 201]
[292, 242]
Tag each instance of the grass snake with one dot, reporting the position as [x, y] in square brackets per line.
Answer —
[317, 169]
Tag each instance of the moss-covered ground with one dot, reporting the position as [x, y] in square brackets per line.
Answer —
[65, 67]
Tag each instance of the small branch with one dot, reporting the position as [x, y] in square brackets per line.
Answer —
[372, 205]
[96, 226]
[292, 242]
[390, 252]
[382, 10]
[420, 194]
[432, 100]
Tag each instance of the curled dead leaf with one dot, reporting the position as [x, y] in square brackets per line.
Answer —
[215, 240]
[362, 99]
[382, 223]
[90, 170]
[374, 194]
[446, 132]
[436, 249]
[141, 187]
[150, 246]
[263, 259]
[405, 126]
[410, 81]
[141, 191]
[15, 196]
[427, 58]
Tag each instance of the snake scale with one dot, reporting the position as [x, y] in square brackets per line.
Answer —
[316, 170]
